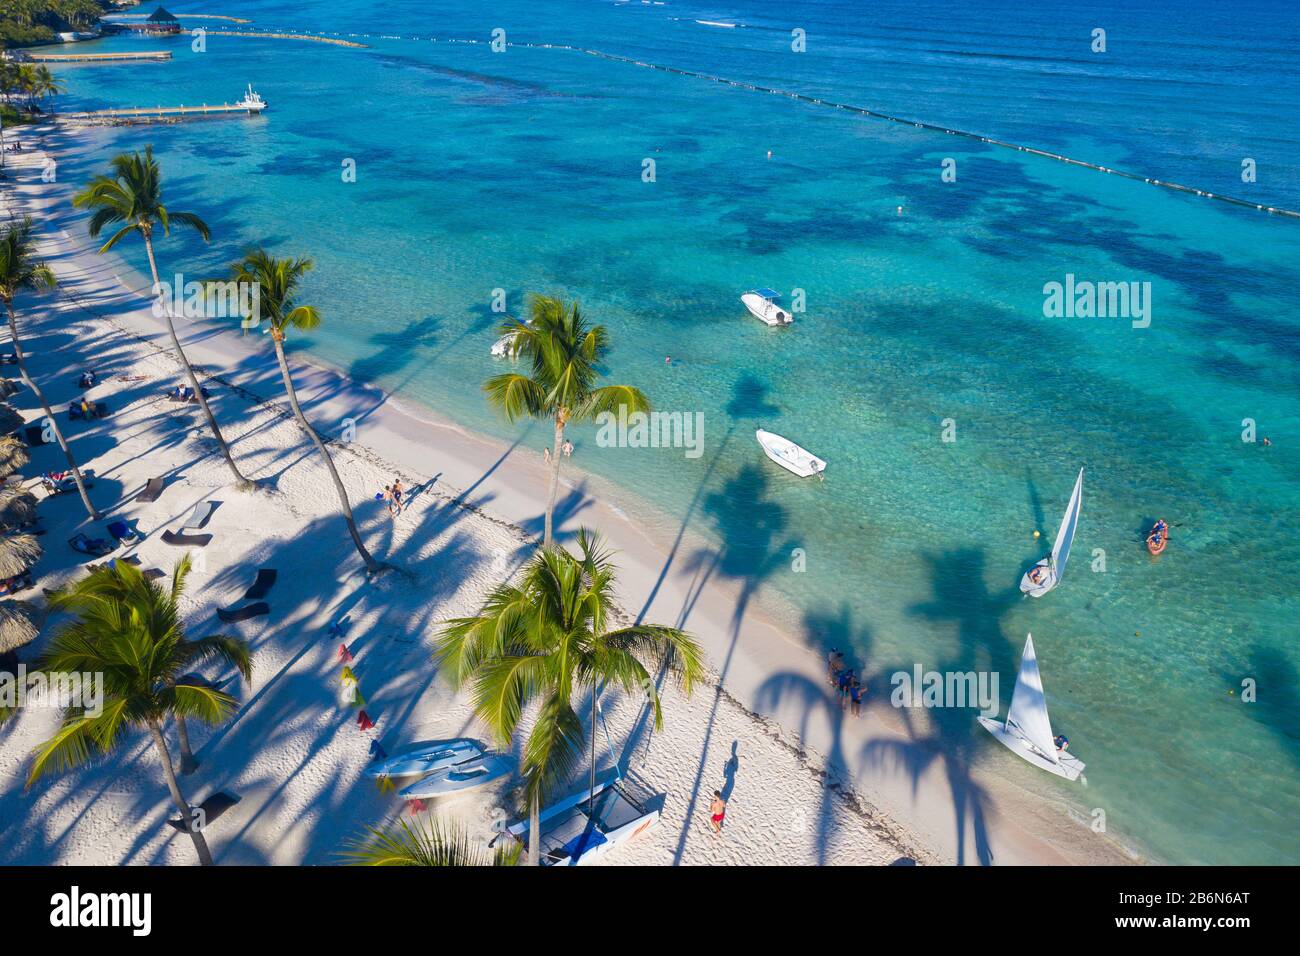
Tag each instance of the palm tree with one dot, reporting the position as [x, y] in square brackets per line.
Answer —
[129, 629]
[277, 281]
[19, 272]
[431, 843]
[544, 640]
[563, 353]
[46, 84]
[132, 196]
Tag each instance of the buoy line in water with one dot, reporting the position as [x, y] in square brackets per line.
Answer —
[805, 98]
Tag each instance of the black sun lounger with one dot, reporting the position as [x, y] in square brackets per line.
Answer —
[264, 582]
[186, 540]
[94, 547]
[208, 811]
[152, 490]
[34, 436]
[244, 613]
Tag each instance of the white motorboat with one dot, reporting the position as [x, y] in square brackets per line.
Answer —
[426, 758]
[252, 101]
[1027, 731]
[764, 305]
[461, 777]
[1047, 573]
[789, 455]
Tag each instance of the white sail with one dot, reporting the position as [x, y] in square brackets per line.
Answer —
[1028, 711]
[1065, 534]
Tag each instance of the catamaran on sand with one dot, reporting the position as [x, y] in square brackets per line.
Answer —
[1046, 574]
[1027, 731]
[789, 455]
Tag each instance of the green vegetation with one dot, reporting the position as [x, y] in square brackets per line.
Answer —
[26, 22]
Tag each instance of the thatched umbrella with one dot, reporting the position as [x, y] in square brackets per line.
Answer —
[10, 420]
[18, 552]
[16, 627]
[13, 455]
[17, 506]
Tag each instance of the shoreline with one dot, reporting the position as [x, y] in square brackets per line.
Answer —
[943, 811]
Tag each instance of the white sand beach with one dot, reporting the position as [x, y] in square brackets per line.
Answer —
[807, 784]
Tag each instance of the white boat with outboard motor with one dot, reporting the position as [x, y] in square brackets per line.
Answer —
[460, 778]
[426, 758]
[790, 456]
[764, 305]
[1047, 573]
[1027, 731]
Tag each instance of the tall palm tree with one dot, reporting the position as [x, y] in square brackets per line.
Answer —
[129, 629]
[132, 197]
[563, 353]
[431, 843]
[278, 282]
[543, 641]
[20, 271]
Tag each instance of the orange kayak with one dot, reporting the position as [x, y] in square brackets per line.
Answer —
[1157, 542]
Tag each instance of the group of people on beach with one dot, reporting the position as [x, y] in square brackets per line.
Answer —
[845, 681]
[393, 495]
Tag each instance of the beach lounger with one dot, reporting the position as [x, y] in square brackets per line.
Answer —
[263, 583]
[34, 436]
[209, 810]
[244, 613]
[76, 414]
[122, 533]
[153, 574]
[95, 547]
[8, 358]
[184, 395]
[152, 490]
[186, 540]
[199, 516]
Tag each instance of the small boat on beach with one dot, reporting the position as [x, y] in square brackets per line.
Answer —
[763, 305]
[460, 778]
[585, 826]
[790, 456]
[1047, 573]
[426, 758]
[1027, 731]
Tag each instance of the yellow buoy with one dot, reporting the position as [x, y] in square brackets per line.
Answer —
[1037, 534]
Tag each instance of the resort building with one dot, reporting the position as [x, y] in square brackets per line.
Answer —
[160, 21]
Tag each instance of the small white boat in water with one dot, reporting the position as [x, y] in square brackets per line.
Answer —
[252, 101]
[1047, 573]
[763, 304]
[1027, 731]
[789, 455]
[460, 778]
[426, 758]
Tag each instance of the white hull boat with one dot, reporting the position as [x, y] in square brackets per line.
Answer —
[426, 758]
[790, 456]
[1027, 731]
[461, 778]
[1047, 573]
[579, 831]
[764, 305]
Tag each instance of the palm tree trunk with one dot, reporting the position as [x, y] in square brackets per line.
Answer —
[49, 415]
[547, 533]
[372, 566]
[535, 832]
[242, 483]
[188, 763]
[200, 844]
[591, 800]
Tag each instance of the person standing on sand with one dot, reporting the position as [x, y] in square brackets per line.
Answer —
[855, 697]
[717, 811]
[834, 664]
[397, 494]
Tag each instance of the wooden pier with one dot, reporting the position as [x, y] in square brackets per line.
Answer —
[149, 114]
[96, 57]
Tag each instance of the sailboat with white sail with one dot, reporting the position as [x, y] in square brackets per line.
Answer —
[1046, 574]
[1027, 731]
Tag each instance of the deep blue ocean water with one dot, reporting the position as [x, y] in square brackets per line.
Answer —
[522, 170]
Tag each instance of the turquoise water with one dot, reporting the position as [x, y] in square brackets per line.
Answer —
[522, 171]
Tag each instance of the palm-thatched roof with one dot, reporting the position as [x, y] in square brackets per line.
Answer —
[16, 625]
[10, 420]
[17, 506]
[18, 552]
[13, 455]
[161, 16]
